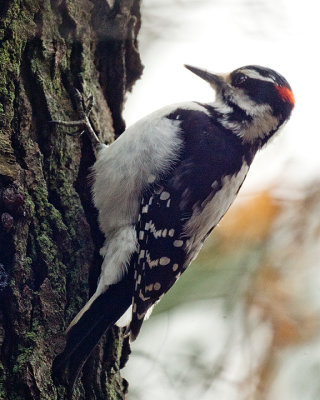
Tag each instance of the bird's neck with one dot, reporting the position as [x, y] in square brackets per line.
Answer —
[252, 126]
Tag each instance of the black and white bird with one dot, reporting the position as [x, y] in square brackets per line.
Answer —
[162, 187]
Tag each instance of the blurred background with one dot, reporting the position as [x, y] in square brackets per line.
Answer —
[242, 323]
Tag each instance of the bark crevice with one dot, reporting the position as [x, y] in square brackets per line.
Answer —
[49, 235]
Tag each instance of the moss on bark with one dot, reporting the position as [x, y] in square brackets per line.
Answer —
[49, 237]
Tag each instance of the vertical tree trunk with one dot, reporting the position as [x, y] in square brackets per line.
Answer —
[49, 237]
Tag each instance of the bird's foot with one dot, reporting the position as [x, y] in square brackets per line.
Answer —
[84, 108]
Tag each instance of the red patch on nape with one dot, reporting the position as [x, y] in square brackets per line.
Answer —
[285, 94]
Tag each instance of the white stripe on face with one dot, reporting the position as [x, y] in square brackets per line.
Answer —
[252, 73]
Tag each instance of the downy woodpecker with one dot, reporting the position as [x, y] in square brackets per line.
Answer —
[162, 187]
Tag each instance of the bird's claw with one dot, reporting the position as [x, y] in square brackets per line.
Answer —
[84, 109]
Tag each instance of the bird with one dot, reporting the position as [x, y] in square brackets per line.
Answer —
[161, 188]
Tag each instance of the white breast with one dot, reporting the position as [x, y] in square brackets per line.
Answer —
[208, 215]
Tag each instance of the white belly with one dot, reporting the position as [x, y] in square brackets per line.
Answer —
[208, 215]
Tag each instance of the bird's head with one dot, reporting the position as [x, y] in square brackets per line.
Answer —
[259, 99]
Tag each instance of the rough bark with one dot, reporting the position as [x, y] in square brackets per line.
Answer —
[49, 236]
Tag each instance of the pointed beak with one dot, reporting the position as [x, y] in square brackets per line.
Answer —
[216, 81]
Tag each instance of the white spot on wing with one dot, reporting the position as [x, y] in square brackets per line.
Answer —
[142, 253]
[145, 209]
[142, 297]
[149, 287]
[175, 267]
[164, 196]
[164, 261]
[152, 263]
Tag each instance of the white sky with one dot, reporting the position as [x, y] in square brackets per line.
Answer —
[220, 36]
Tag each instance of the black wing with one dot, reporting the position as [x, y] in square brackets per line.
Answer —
[161, 255]
[209, 154]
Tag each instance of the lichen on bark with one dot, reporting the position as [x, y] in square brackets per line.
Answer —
[49, 236]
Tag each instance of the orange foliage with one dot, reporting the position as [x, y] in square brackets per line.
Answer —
[250, 220]
[276, 297]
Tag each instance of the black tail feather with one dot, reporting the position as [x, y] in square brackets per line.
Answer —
[86, 333]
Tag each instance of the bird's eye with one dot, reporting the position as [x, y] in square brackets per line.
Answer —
[239, 79]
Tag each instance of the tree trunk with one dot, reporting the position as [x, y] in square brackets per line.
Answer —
[49, 236]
